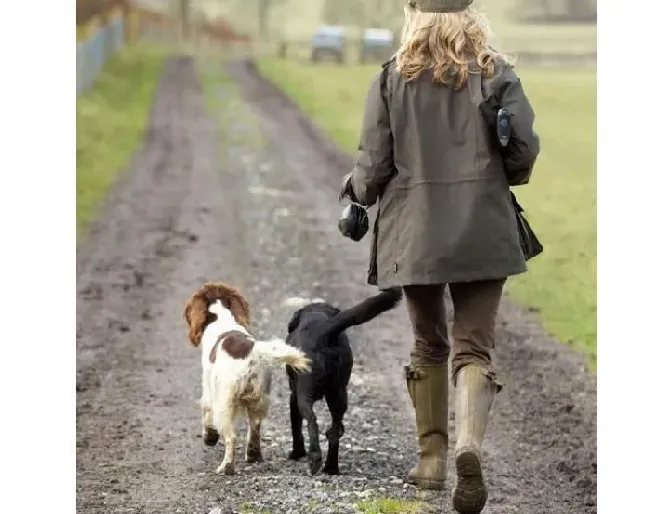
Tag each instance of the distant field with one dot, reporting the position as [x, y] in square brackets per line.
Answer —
[111, 122]
[513, 36]
[560, 201]
[295, 20]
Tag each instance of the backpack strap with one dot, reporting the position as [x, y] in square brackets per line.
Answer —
[383, 80]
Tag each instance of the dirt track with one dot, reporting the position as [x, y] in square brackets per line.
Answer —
[250, 198]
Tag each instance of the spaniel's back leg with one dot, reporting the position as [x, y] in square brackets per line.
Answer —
[254, 437]
[227, 431]
[210, 434]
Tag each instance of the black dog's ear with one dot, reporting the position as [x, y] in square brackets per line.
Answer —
[293, 323]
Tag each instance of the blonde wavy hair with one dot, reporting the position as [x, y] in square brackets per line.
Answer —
[447, 43]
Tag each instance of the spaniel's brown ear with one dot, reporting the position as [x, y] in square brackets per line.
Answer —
[196, 316]
[239, 307]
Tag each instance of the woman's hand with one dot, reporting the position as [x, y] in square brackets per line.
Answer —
[346, 189]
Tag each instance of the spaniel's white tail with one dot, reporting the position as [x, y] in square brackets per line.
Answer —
[276, 352]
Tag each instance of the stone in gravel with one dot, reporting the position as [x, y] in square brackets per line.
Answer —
[424, 495]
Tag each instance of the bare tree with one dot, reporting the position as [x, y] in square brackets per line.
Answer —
[264, 10]
[185, 10]
[331, 13]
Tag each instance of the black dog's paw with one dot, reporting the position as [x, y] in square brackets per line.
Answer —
[335, 432]
[331, 469]
[315, 462]
[296, 454]
[210, 437]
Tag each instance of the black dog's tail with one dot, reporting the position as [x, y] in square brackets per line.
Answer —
[363, 312]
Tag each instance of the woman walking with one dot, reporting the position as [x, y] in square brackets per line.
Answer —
[429, 159]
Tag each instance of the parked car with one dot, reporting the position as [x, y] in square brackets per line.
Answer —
[376, 44]
[328, 41]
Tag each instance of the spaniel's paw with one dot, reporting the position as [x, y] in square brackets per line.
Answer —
[226, 468]
[254, 454]
[210, 436]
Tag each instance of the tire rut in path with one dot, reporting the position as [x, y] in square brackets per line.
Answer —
[135, 420]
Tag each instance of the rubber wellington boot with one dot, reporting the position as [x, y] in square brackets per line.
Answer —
[474, 396]
[428, 388]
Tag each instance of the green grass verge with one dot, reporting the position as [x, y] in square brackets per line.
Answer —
[112, 118]
[560, 201]
[388, 506]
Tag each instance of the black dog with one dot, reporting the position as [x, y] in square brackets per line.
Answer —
[318, 330]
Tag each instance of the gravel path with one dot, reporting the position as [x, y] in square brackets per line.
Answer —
[248, 195]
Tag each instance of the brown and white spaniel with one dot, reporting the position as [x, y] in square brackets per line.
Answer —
[236, 368]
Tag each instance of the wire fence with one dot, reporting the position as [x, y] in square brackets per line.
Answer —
[94, 51]
[102, 33]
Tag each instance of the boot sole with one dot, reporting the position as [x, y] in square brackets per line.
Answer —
[470, 494]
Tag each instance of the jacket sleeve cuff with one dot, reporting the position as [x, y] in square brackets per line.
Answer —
[363, 195]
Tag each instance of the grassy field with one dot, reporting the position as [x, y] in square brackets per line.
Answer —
[560, 200]
[513, 36]
[111, 121]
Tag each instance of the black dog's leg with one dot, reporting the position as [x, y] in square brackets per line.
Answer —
[315, 455]
[337, 402]
[298, 451]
